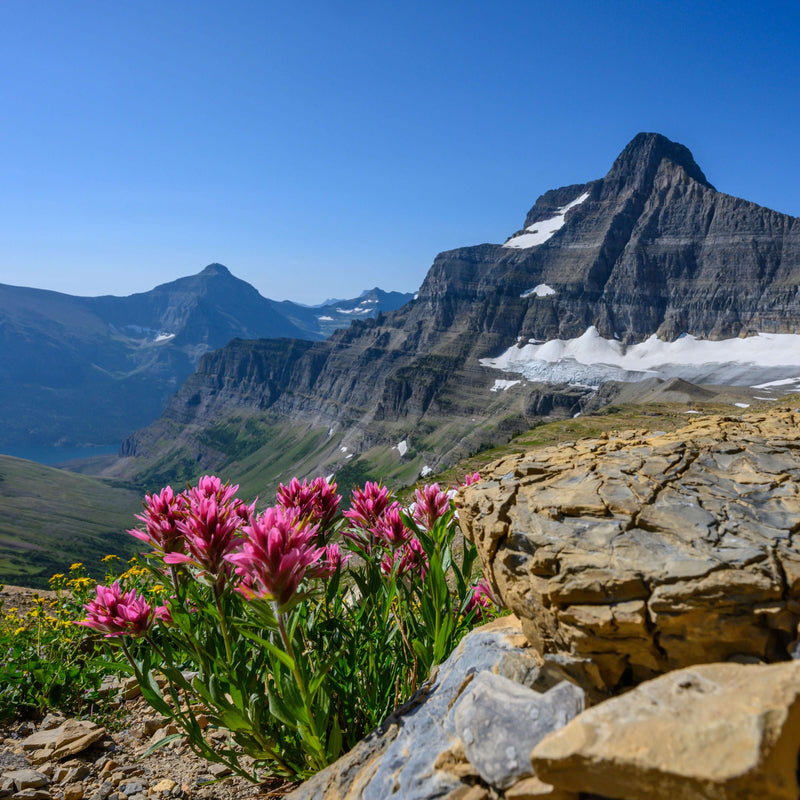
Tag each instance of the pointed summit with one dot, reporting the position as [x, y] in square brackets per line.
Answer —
[644, 154]
[215, 269]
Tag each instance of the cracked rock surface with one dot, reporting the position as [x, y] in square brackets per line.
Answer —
[642, 553]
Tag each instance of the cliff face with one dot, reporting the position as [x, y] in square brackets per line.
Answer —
[650, 248]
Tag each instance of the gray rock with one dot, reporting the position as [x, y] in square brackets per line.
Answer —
[27, 778]
[499, 722]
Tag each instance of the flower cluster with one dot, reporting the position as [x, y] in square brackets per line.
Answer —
[118, 613]
[279, 548]
[316, 501]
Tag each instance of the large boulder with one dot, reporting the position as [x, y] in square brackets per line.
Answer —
[711, 732]
[641, 553]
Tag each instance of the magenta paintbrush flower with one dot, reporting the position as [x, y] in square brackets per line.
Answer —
[317, 501]
[331, 561]
[390, 530]
[482, 598]
[211, 527]
[161, 515]
[367, 504]
[469, 479]
[408, 558]
[118, 614]
[278, 549]
[431, 503]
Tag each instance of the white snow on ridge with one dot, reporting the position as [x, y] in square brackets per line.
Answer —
[425, 471]
[501, 385]
[784, 382]
[541, 231]
[356, 310]
[402, 447]
[542, 290]
[591, 359]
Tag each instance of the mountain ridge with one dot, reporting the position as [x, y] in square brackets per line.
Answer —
[89, 370]
[652, 248]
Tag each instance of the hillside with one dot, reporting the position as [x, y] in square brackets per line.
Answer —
[54, 518]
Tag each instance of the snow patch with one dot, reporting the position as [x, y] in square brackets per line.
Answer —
[590, 359]
[771, 399]
[541, 231]
[500, 385]
[356, 310]
[402, 447]
[425, 471]
[542, 290]
[783, 382]
[691, 411]
[742, 405]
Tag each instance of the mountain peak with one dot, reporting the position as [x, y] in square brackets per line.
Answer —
[646, 151]
[216, 269]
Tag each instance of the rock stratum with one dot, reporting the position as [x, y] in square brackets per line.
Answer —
[655, 588]
[650, 249]
[642, 553]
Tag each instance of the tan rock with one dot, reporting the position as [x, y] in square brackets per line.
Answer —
[710, 732]
[534, 789]
[68, 739]
[74, 791]
[164, 785]
[645, 553]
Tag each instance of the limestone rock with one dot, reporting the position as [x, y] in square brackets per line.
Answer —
[417, 753]
[499, 722]
[66, 740]
[710, 732]
[643, 553]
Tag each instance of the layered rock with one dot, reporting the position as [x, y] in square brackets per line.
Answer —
[652, 248]
[636, 554]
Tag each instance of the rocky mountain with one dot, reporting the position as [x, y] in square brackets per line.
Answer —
[651, 256]
[88, 370]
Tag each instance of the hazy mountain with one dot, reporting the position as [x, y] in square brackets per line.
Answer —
[649, 253]
[89, 370]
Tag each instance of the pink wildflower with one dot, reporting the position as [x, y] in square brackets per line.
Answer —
[470, 479]
[162, 512]
[367, 504]
[211, 526]
[390, 530]
[408, 558]
[431, 503]
[482, 598]
[317, 500]
[277, 551]
[331, 561]
[116, 613]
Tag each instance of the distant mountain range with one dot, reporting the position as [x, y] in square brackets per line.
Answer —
[89, 370]
[647, 273]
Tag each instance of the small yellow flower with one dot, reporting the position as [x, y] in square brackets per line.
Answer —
[75, 566]
[19, 630]
[110, 557]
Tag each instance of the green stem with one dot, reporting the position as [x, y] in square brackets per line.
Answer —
[222, 624]
[301, 685]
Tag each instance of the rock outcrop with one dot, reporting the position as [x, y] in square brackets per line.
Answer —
[638, 553]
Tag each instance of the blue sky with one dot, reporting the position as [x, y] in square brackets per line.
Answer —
[318, 149]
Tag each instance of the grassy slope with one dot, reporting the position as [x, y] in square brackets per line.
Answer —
[50, 518]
